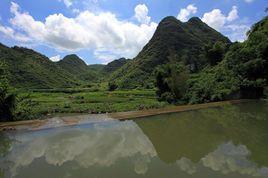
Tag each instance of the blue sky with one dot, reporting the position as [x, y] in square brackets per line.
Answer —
[102, 30]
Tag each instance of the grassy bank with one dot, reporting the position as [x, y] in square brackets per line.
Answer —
[46, 102]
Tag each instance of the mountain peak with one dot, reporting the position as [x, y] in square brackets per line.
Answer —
[73, 59]
[168, 19]
[71, 56]
[115, 64]
[195, 20]
[171, 38]
[73, 64]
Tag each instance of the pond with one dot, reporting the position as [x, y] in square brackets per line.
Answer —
[229, 141]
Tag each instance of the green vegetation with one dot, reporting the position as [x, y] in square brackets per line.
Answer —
[186, 41]
[187, 63]
[171, 82]
[29, 69]
[115, 64]
[7, 99]
[77, 67]
[231, 72]
[44, 103]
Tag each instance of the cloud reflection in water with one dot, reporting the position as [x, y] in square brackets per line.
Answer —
[99, 145]
[104, 144]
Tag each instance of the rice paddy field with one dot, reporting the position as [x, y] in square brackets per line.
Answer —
[43, 103]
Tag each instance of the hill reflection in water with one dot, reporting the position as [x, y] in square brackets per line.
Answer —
[219, 142]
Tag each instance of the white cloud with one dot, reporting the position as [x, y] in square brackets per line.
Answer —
[141, 14]
[67, 3]
[104, 57]
[237, 32]
[227, 24]
[55, 58]
[76, 11]
[14, 8]
[249, 1]
[102, 32]
[10, 33]
[186, 12]
[216, 19]
[233, 14]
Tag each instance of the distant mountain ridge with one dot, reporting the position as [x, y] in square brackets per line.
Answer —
[185, 40]
[115, 64]
[30, 69]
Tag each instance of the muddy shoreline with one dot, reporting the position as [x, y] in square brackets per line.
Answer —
[71, 120]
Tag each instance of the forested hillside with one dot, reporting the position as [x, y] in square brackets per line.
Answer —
[29, 69]
[189, 61]
[186, 41]
[232, 71]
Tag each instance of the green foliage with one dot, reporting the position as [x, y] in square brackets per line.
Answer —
[171, 81]
[114, 65]
[78, 68]
[212, 85]
[249, 60]
[112, 86]
[238, 71]
[25, 108]
[30, 69]
[42, 103]
[7, 99]
[172, 37]
[215, 53]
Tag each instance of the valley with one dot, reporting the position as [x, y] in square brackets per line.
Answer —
[183, 63]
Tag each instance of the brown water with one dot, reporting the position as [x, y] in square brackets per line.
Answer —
[226, 142]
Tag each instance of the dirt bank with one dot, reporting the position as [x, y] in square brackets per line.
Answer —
[171, 109]
[80, 119]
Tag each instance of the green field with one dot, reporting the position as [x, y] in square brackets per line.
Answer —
[43, 103]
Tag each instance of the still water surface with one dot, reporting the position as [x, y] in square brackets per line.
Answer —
[226, 142]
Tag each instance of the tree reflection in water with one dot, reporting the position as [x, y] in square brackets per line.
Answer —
[216, 142]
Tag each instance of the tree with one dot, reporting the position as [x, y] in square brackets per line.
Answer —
[7, 99]
[112, 86]
[215, 53]
[171, 80]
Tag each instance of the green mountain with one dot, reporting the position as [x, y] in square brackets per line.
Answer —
[78, 68]
[115, 64]
[186, 41]
[235, 71]
[73, 64]
[30, 69]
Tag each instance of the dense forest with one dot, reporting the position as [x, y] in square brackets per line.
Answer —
[230, 71]
[183, 63]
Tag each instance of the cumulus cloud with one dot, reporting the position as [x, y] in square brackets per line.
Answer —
[102, 32]
[233, 14]
[55, 58]
[10, 33]
[186, 12]
[216, 19]
[228, 24]
[237, 32]
[141, 14]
